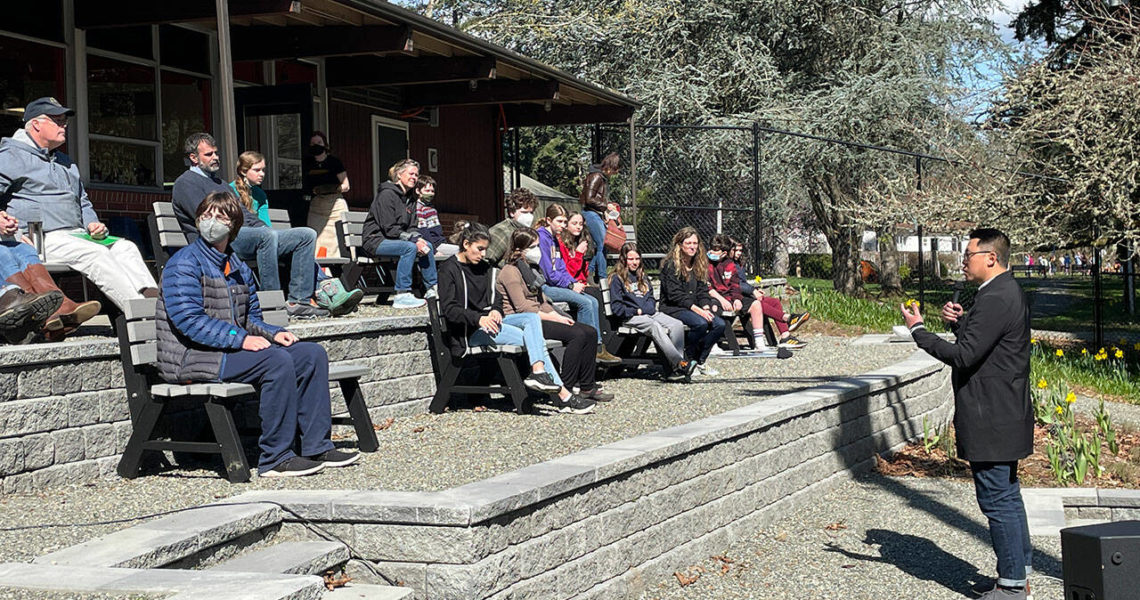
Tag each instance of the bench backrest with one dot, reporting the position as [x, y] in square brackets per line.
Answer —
[279, 218]
[350, 233]
[166, 236]
[139, 335]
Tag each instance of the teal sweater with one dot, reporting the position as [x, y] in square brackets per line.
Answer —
[260, 201]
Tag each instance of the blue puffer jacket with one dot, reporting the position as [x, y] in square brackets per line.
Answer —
[203, 314]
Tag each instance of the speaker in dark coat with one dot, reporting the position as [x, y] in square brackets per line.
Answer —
[993, 414]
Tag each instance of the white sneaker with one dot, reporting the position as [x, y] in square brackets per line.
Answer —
[707, 369]
[407, 300]
[433, 292]
[717, 351]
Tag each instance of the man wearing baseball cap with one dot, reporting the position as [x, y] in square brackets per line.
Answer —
[53, 194]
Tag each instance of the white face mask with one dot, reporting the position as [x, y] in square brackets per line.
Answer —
[213, 230]
[533, 255]
[525, 219]
[613, 216]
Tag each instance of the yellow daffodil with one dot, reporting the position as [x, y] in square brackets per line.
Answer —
[1071, 398]
[1060, 410]
[1084, 351]
[1060, 352]
[1119, 353]
[1042, 384]
[1136, 346]
[1101, 355]
[1034, 341]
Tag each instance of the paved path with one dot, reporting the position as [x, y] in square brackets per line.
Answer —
[873, 538]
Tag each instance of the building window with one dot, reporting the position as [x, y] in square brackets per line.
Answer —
[39, 72]
[140, 109]
[185, 110]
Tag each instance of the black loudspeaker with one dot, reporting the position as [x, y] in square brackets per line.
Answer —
[1102, 562]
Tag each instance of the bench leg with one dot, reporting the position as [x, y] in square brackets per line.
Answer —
[730, 336]
[361, 421]
[144, 421]
[770, 333]
[510, 370]
[439, 402]
[226, 434]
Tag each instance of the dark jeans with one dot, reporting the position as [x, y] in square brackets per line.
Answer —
[579, 363]
[701, 336]
[999, 497]
[293, 383]
[267, 245]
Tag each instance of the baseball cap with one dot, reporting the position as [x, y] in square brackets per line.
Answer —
[46, 106]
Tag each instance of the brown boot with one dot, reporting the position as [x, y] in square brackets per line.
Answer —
[71, 314]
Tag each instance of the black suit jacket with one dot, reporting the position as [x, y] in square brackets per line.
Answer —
[993, 416]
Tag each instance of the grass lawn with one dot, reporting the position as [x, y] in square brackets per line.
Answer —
[1113, 374]
[1077, 314]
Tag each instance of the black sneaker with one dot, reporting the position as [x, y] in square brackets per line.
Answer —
[597, 395]
[797, 320]
[298, 310]
[542, 382]
[575, 404]
[792, 343]
[335, 458]
[298, 466]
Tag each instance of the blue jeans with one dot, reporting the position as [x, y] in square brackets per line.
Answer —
[701, 336]
[585, 306]
[408, 255]
[268, 245]
[15, 257]
[293, 386]
[521, 329]
[999, 496]
[597, 228]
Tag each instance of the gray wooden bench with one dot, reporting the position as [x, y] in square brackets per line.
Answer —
[350, 237]
[147, 394]
[631, 236]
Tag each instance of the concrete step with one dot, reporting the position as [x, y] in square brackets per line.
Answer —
[296, 558]
[170, 584]
[169, 539]
[365, 591]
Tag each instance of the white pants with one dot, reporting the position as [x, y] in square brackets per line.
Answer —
[118, 270]
[667, 332]
[325, 211]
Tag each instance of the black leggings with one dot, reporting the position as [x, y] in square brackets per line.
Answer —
[580, 360]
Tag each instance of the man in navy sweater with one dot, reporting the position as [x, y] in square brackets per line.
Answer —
[255, 240]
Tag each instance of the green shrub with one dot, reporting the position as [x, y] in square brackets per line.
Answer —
[812, 265]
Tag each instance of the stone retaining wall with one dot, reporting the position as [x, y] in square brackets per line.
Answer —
[64, 417]
[601, 522]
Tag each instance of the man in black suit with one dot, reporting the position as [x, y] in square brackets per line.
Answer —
[993, 416]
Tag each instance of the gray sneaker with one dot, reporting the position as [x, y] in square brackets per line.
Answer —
[298, 310]
[297, 466]
[575, 404]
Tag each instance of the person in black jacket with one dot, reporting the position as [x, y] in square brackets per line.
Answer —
[993, 415]
[471, 309]
[631, 299]
[685, 297]
[390, 230]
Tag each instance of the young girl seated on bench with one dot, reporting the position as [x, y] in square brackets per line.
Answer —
[731, 284]
[685, 297]
[520, 287]
[631, 299]
[474, 318]
[561, 285]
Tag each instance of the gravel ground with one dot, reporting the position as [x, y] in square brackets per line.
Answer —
[22, 594]
[422, 452]
[872, 538]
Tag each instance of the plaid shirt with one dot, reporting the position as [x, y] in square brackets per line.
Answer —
[501, 241]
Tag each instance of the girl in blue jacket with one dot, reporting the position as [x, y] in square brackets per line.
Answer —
[561, 285]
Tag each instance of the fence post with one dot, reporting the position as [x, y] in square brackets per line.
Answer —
[1098, 314]
[921, 272]
[633, 170]
[755, 252]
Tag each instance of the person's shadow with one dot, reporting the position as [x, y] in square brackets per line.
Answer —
[919, 558]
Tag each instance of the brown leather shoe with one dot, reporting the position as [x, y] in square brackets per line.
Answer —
[606, 358]
[22, 315]
[71, 314]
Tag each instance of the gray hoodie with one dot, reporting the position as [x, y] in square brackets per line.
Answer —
[53, 193]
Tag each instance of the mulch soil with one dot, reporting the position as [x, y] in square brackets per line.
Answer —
[1121, 470]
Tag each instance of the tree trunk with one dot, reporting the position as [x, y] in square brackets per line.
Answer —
[889, 277]
[846, 276]
[780, 251]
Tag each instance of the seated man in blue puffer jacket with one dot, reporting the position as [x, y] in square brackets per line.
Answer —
[210, 329]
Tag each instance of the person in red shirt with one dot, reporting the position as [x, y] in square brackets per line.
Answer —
[725, 277]
[576, 247]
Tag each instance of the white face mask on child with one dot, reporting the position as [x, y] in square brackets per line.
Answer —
[526, 219]
[532, 255]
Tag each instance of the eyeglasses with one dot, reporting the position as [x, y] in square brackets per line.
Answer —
[60, 120]
[966, 255]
